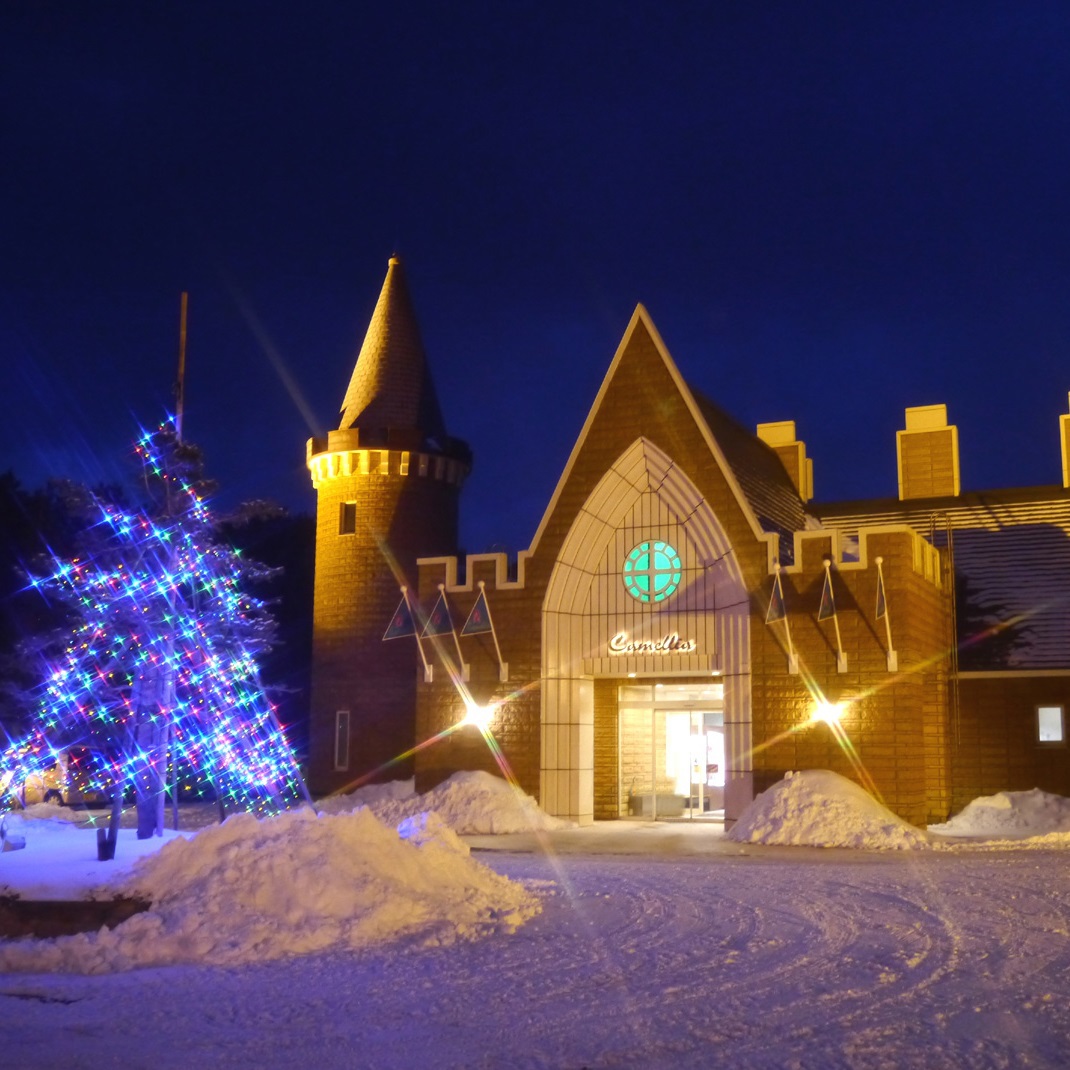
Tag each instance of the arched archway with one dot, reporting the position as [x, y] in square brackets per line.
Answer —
[643, 497]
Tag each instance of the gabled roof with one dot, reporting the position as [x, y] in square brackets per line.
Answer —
[760, 473]
[391, 386]
[754, 472]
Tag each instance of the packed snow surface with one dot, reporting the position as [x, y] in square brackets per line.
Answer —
[819, 808]
[723, 953]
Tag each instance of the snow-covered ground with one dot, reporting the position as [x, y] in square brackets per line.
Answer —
[651, 946]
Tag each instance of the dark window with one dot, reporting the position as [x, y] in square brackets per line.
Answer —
[347, 520]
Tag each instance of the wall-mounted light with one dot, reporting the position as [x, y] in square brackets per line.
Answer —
[829, 712]
[477, 715]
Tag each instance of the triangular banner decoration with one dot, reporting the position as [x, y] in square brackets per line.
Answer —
[478, 622]
[438, 620]
[828, 603]
[776, 610]
[401, 624]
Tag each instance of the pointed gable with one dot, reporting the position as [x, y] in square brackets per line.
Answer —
[643, 394]
[391, 386]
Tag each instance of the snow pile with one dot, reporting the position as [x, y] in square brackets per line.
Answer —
[819, 808]
[254, 890]
[472, 803]
[44, 819]
[1011, 815]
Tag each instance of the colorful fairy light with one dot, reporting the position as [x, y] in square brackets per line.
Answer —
[163, 627]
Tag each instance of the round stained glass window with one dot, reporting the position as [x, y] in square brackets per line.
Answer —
[651, 572]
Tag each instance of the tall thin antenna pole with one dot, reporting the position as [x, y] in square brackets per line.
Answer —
[180, 385]
[170, 757]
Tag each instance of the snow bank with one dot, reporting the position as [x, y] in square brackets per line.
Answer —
[471, 803]
[1012, 815]
[254, 890]
[44, 819]
[819, 808]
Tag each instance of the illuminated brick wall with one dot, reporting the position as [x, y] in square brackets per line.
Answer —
[995, 740]
[897, 721]
[401, 503]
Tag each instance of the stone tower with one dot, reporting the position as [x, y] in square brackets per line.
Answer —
[387, 488]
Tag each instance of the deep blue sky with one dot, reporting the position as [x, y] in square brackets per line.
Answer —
[831, 210]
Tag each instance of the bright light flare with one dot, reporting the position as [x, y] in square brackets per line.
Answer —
[480, 716]
[829, 712]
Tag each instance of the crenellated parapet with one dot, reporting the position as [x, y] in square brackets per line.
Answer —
[351, 452]
[858, 553]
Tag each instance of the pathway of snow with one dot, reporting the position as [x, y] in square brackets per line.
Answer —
[926, 960]
[746, 955]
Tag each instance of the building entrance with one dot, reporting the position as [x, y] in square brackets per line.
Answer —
[672, 751]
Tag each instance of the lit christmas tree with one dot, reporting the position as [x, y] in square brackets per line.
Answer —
[159, 670]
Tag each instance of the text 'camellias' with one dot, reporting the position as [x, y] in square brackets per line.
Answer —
[622, 643]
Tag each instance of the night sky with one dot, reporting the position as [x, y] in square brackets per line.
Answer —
[831, 210]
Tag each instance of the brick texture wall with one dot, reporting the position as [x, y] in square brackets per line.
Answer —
[441, 704]
[357, 583]
[897, 722]
[995, 737]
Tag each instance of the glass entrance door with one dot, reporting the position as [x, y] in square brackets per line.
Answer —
[672, 755]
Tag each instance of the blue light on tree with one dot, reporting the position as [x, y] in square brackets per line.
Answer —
[158, 671]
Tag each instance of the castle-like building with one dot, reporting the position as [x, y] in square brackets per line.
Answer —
[687, 624]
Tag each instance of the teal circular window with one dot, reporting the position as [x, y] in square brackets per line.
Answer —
[651, 572]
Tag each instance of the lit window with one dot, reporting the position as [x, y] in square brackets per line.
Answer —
[341, 740]
[347, 519]
[651, 572]
[1051, 724]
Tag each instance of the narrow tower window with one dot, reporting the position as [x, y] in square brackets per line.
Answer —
[347, 519]
[341, 740]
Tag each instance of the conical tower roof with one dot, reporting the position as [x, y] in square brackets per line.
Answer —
[391, 386]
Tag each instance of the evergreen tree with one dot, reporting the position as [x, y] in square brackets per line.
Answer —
[158, 667]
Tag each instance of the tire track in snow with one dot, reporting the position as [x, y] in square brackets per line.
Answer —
[890, 962]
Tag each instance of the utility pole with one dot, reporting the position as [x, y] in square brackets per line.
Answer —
[180, 384]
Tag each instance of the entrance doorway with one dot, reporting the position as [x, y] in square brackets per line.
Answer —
[672, 751]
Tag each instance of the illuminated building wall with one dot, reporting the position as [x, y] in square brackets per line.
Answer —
[653, 571]
[387, 486]
[656, 464]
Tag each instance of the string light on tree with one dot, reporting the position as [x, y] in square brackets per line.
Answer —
[159, 671]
